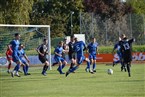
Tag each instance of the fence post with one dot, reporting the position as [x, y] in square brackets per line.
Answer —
[130, 24]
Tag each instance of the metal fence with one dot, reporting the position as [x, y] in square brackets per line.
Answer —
[107, 32]
[30, 37]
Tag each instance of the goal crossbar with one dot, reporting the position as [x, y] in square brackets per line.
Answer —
[10, 25]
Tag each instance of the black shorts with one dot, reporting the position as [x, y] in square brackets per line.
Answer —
[71, 56]
[43, 59]
[127, 58]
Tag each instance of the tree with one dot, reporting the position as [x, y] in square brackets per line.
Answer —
[113, 9]
[57, 14]
[15, 11]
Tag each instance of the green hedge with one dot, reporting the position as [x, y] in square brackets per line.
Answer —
[108, 49]
[102, 49]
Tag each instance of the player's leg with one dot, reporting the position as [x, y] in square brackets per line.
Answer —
[72, 59]
[59, 69]
[72, 63]
[16, 59]
[43, 59]
[59, 61]
[80, 59]
[54, 64]
[27, 69]
[45, 67]
[9, 65]
[128, 69]
[89, 63]
[94, 63]
[64, 63]
[117, 61]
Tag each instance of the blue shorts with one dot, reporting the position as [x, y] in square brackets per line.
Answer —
[15, 58]
[119, 55]
[23, 61]
[80, 59]
[59, 59]
[92, 56]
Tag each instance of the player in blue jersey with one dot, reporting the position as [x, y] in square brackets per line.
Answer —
[42, 55]
[14, 44]
[117, 48]
[58, 57]
[93, 51]
[79, 47]
[23, 57]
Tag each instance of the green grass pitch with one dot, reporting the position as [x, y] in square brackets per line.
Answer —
[79, 84]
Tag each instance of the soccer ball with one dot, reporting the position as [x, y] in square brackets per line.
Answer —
[110, 71]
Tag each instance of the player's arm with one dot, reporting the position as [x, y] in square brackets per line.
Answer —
[26, 57]
[115, 47]
[56, 52]
[131, 40]
[38, 50]
[66, 50]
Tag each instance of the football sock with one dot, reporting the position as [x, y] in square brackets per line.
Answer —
[94, 66]
[9, 66]
[63, 66]
[27, 68]
[24, 69]
[17, 67]
[73, 69]
[88, 65]
[128, 67]
[59, 68]
[43, 71]
[71, 66]
[46, 67]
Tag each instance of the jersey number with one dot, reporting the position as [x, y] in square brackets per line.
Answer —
[126, 46]
[77, 48]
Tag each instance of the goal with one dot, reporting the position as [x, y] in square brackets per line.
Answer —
[31, 37]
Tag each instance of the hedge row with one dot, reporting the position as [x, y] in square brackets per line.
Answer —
[108, 49]
[102, 50]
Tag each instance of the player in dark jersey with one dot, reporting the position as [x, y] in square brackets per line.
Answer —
[14, 44]
[93, 51]
[71, 53]
[43, 51]
[126, 50]
[79, 47]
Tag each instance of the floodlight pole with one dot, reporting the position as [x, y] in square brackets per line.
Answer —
[80, 23]
[71, 22]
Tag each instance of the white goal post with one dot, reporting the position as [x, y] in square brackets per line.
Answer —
[35, 26]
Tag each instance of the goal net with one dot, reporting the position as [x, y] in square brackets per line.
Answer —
[31, 37]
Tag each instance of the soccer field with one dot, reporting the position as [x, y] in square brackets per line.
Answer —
[79, 84]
